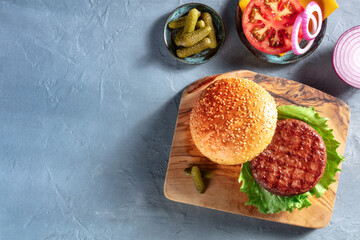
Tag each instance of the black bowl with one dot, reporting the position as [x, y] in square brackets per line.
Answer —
[206, 55]
[288, 57]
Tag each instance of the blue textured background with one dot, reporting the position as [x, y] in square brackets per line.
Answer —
[88, 103]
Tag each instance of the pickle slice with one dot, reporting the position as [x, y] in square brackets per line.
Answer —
[198, 182]
[204, 173]
[195, 49]
[191, 20]
[189, 39]
[208, 22]
[200, 24]
[180, 22]
[178, 37]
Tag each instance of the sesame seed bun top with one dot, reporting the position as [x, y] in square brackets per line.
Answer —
[233, 121]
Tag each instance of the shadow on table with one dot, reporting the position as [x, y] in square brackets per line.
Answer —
[319, 73]
[157, 53]
[151, 149]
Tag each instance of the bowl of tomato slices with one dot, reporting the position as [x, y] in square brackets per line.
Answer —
[265, 28]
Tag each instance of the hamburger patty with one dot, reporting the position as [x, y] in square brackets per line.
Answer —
[294, 161]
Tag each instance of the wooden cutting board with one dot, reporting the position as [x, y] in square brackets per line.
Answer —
[222, 191]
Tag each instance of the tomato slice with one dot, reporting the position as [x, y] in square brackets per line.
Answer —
[268, 24]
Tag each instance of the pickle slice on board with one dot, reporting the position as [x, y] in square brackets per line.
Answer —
[204, 173]
[198, 182]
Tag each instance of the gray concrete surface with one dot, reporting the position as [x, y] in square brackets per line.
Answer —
[88, 103]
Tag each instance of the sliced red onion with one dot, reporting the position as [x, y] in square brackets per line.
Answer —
[307, 15]
[346, 57]
[295, 35]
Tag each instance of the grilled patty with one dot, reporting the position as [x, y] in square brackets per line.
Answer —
[294, 161]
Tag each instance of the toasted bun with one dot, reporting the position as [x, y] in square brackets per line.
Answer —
[233, 121]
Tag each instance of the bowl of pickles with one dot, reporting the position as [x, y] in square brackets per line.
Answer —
[194, 33]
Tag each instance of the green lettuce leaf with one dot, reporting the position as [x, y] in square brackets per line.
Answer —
[265, 201]
[270, 203]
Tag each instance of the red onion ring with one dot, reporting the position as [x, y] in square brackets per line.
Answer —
[346, 57]
[295, 33]
[307, 15]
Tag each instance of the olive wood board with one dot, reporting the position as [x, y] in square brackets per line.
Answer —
[222, 191]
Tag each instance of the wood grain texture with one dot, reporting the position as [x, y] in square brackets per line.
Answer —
[222, 191]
